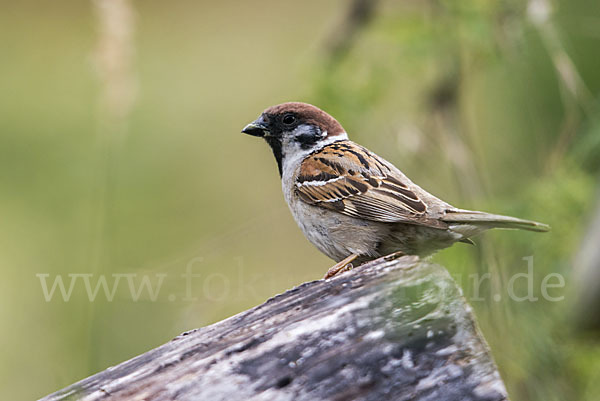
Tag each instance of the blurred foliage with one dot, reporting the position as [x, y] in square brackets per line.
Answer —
[489, 105]
[484, 100]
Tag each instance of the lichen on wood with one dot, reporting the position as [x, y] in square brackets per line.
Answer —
[388, 330]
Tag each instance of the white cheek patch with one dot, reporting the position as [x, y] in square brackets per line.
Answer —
[305, 130]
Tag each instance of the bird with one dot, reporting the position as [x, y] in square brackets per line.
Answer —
[353, 205]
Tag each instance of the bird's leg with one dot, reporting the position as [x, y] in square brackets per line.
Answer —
[341, 266]
[392, 256]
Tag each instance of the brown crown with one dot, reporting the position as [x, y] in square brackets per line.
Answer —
[309, 114]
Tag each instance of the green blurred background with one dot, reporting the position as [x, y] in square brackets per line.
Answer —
[121, 153]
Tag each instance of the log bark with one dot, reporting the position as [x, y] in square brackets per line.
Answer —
[587, 274]
[389, 330]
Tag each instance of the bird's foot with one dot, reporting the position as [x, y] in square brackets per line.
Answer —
[340, 267]
[386, 258]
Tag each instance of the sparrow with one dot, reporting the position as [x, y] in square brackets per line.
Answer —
[353, 205]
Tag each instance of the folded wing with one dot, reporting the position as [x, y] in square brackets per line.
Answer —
[349, 179]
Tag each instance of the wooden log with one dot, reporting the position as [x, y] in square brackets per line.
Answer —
[586, 312]
[389, 330]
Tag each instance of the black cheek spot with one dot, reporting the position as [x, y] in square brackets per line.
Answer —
[306, 140]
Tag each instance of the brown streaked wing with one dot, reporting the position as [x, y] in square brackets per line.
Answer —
[351, 180]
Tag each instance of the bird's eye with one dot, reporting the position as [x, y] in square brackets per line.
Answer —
[289, 119]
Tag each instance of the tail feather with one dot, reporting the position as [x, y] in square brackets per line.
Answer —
[489, 220]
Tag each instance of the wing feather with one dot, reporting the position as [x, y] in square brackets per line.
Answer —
[351, 180]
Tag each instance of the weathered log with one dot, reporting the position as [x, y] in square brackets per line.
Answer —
[587, 275]
[388, 330]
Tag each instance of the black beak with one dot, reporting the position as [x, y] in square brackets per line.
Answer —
[257, 128]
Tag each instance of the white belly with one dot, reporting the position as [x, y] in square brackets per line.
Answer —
[335, 234]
